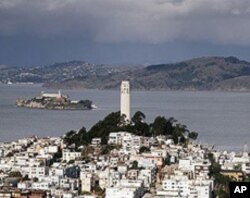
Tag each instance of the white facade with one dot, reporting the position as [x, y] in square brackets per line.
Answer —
[41, 185]
[117, 137]
[51, 95]
[128, 141]
[24, 185]
[181, 186]
[68, 155]
[90, 167]
[246, 167]
[37, 171]
[51, 149]
[148, 176]
[126, 189]
[125, 99]
[95, 142]
[56, 171]
[123, 192]
[114, 178]
[103, 178]
[86, 180]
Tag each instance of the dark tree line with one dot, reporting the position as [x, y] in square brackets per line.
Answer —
[114, 123]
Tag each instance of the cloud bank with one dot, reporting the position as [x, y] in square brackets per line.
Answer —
[130, 21]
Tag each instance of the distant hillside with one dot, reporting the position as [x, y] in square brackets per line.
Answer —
[58, 73]
[205, 73]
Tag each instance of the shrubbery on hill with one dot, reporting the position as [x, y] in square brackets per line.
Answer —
[114, 123]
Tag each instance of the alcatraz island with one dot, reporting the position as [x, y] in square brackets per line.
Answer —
[54, 101]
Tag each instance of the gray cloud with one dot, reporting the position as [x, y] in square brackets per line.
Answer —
[118, 21]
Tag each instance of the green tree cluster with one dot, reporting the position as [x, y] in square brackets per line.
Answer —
[114, 122]
[221, 182]
[15, 174]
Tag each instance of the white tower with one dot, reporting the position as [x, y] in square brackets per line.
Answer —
[245, 151]
[125, 99]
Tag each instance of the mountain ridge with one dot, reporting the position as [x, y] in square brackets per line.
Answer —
[202, 73]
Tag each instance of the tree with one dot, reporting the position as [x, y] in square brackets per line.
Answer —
[110, 123]
[221, 193]
[139, 126]
[138, 117]
[82, 137]
[35, 179]
[78, 138]
[58, 155]
[178, 133]
[144, 149]
[221, 181]
[98, 190]
[15, 174]
[86, 103]
[134, 165]
[68, 138]
[141, 129]
[159, 125]
[162, 126]
[10, 154]
[193, 135]
[26, 178]
[247, 178]
[106, 150]
[71, 162]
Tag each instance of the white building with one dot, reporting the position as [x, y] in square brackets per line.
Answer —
[128, 141]
[51, 149]
[95, 142]
[181, 186]
[51, 95]
[56, 171]
[70, 155]
[114, 178]
[121, 192]
[38, 171]
[103, 178]
[117, 137]
[245, 168]
[148, 176]
[24, 185]
[41, 185]
[87, 181]
[125, 99]
[69, 183]
[126, 189]
[89, 167]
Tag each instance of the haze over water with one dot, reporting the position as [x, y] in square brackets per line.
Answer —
[220, 118]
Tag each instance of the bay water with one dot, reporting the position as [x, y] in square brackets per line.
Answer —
[221, 118]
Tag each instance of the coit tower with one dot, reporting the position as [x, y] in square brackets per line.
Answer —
[125, 99]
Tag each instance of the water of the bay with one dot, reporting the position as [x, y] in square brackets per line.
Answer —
[221, 118]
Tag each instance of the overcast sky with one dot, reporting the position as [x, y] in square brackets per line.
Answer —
[37, 32]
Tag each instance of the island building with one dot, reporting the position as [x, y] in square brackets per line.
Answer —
[51, 95]
[125, 99]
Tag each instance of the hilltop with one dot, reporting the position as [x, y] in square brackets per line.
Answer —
[204, 73]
